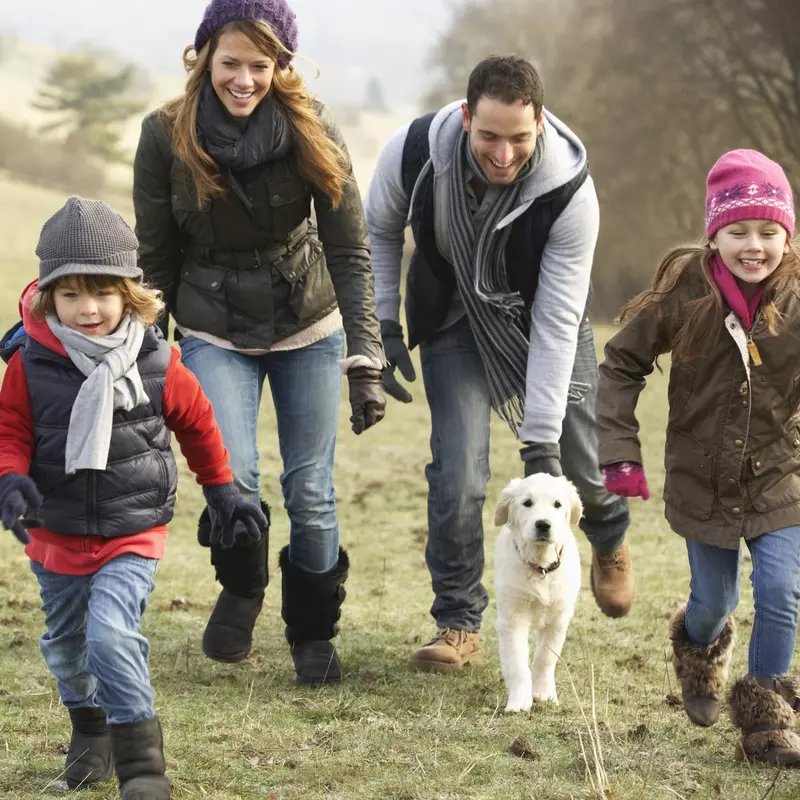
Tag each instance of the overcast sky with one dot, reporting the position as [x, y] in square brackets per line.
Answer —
[350, 40]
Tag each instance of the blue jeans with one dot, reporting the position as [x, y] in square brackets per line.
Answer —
[458, 396]
[94, 645]
[305, 387]
[776, 594]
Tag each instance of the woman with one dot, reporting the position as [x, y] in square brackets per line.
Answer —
[224, 181]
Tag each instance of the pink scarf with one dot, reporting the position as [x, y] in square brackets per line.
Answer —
[726, 282]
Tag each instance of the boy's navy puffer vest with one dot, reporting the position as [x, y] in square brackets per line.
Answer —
[137, 489]
[431, 281]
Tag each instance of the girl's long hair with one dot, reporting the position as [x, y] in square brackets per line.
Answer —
[702, 318]
[322, 162]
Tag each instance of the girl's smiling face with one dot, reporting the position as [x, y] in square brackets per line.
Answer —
[751, 249]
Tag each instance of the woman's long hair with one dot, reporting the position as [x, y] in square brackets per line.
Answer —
[322, 162]
[702, 318]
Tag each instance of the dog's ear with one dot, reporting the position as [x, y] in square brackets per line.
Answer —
[501, 512]
[576, 506]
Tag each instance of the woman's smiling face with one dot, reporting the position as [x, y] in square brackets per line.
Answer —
[241, 74]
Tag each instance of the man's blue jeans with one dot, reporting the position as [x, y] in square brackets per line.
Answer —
[776, 593]
[458, 396]
[94, 645]
[305, 385]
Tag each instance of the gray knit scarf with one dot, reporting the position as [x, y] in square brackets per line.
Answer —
[495, 313]
[112, 382]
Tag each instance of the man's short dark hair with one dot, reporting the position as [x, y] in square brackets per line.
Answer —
[510, 79]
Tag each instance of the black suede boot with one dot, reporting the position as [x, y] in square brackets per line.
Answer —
[89, 754]
[311, 607]
[139, 760]
[243, 573]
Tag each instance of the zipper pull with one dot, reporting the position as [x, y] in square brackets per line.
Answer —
[755, 356]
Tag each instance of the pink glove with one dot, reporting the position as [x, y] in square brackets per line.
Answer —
[626, 479]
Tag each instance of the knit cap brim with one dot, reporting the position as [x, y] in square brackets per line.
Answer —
[65, 270]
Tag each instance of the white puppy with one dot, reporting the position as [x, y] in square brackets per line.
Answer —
[537, 579]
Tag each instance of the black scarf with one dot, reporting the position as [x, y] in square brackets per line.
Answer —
[267, 136]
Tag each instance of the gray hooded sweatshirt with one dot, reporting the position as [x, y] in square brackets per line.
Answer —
[565, 269]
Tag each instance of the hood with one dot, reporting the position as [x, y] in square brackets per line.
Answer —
[564, 155]
[37, 329]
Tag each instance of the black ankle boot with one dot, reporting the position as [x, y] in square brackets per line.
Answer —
[89, 754]
[243, 572]
[139, 760]
[311, 607]
[228, 636]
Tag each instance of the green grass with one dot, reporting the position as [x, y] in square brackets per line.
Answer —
[247, 732]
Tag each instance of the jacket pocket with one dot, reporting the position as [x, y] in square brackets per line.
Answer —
[163, 478]
[200, 302]
[301, 280]
[289, 203]
[681, 384]
[689, 484]
[773, 472]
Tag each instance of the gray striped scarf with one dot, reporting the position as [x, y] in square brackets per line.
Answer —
[496, 314]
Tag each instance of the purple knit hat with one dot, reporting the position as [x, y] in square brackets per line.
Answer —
[744, 184]
[276, 13]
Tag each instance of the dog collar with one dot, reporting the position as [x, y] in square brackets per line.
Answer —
[541, 571]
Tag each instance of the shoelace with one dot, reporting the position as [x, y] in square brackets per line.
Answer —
[610, 560]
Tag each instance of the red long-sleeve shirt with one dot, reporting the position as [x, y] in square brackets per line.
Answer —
[188, 414]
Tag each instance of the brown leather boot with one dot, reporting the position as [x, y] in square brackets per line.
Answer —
[702, 671]
[450, 649]
[612, 581]
[767, 723]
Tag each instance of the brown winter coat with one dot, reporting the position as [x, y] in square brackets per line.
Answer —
[732, 456]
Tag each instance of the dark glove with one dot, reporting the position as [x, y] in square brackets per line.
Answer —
[541, 457]
[366, 397]
[230, 507]
[18, 497]
[398, 356]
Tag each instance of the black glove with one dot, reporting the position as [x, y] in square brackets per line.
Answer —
[398, 356]
[541, 457]
[230, 507]
[18, 496]
[366, 397]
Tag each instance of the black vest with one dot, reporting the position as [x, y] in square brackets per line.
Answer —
[137, 489]
[431, 281]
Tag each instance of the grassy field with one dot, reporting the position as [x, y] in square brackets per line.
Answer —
[247, 732]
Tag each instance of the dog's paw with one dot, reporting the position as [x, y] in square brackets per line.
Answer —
[547, 696]
[519, 701]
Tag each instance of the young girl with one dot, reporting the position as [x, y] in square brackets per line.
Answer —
[729, 313]
[87, 402]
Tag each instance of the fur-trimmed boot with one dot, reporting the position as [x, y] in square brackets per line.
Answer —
[311, 607]
[89, 754]
[766, 720]
[139, 760]
[702, 671]
[228, 636]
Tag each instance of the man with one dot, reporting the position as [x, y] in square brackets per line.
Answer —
[505, 221]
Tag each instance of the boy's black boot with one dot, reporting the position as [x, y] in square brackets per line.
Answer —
[89, 754]
[139, 760]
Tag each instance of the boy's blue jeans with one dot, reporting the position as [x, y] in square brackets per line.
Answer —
[94, 644]
[776, 592]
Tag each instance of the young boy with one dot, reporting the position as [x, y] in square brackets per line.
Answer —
[87, 402]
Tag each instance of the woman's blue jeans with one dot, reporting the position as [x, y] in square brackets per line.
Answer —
[305, 386]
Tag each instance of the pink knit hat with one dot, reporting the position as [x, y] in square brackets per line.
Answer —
[744, 184]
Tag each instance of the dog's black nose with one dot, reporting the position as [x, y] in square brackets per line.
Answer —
[542, 526]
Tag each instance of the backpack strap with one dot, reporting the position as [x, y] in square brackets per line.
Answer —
[416, 151]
